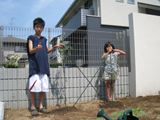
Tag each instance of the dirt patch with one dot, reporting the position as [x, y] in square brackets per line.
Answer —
[89, 110]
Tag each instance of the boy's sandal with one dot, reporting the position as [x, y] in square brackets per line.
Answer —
[34, 112]
[44, 110]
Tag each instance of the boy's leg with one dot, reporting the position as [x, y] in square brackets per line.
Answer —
[32, 99]
[34, 84]
[107, 88]
[45, 88]
[41, 99]
[34, 112]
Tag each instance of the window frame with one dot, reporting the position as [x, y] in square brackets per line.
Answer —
[122, 1]
[131, 2]
[22, 49]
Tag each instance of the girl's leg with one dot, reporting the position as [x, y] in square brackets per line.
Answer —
[32, 99]
[41, 99]
[112, 88]
[107, 88]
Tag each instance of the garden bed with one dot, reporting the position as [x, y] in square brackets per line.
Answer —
[88, 110]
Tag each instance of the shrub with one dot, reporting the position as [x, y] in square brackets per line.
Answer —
[55, 65]
[13, 61]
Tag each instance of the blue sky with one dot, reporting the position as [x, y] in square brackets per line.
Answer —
[24, 12]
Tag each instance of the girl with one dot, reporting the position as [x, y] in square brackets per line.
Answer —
[111, 69]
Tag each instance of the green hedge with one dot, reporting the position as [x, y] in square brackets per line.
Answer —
[55, 65]
[10, 66]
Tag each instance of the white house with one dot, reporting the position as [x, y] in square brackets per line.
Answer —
[55, 55]
[109, 12]
[141, 18]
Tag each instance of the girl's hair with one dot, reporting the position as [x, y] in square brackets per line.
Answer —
[106, 45]
[38, 21]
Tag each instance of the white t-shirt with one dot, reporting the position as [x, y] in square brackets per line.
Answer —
[111, 62]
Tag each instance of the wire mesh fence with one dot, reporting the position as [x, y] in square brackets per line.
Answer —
[87, 45]
[87, 49]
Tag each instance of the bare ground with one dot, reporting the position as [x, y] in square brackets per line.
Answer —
[88, 110]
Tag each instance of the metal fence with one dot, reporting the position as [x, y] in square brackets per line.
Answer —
[86, 54]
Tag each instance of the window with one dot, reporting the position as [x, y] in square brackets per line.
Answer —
[20, 49]
[130, 1]
[119, 0]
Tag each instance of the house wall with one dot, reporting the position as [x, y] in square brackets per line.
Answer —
[96, 7]
[117, 35]
[150, 2]
[79, 19]
[144, 51]
[116, 13]
[10, 49]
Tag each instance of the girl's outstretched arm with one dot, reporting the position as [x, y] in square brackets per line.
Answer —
[120, 52]
[103, 56]
[109, 50]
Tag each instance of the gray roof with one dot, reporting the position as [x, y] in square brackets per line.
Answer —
[11, 39]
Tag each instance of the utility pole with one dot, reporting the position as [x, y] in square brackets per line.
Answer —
[11, 23]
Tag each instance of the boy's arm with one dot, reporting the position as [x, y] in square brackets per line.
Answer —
[30, 45]
[120, 52]
[53, 48]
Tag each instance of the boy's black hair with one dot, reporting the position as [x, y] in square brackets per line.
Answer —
[106, 45]
[38, 21]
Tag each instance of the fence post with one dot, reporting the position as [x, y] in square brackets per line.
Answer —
[49, 43]
[1, 44]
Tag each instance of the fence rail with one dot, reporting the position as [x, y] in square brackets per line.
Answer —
[86, 53]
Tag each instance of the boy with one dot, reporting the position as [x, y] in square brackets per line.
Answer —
[38, 65]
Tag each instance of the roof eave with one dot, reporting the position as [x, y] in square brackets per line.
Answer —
[70, 12]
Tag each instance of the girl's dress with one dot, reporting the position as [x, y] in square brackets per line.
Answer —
[111, 70]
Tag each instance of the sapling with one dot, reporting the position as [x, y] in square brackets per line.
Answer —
[65, 52]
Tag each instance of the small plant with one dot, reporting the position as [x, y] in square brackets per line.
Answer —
[122, 92]
[13, 61]
[135, 112]
[65, 53]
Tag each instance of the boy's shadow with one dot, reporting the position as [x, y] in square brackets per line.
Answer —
[57, 86]
[100, 85]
